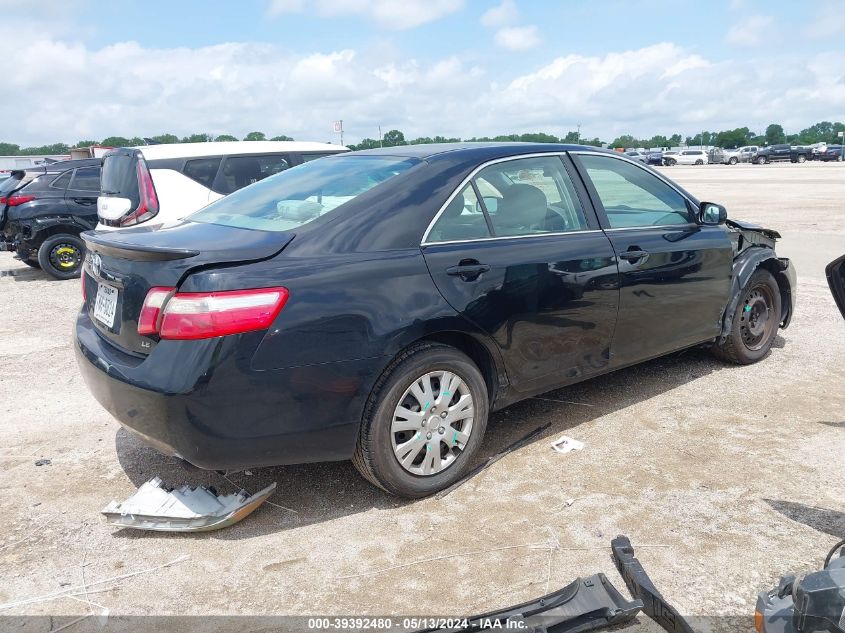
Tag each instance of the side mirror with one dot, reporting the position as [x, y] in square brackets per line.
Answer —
[711, 213]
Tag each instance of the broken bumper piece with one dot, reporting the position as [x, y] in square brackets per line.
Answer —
[184, 509]
[586, 604]
[641, 586]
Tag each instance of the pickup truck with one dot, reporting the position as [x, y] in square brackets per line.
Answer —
[782, 152]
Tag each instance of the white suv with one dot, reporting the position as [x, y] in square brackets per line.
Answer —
[168, 182]
[686, 157]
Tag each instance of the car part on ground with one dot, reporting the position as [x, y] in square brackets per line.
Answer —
[565, 444]
[815, 603]
[835, 272]
[184, 509]
[586, 604]
[642, 587]
[492, 460]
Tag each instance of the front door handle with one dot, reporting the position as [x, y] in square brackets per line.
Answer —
[468, 270]
[633, 254]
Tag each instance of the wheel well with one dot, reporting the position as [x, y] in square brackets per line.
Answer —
[50, 231]
[477, 353]
[773, 266]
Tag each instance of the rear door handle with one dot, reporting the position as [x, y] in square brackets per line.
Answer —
[468, 270]
[633, 254]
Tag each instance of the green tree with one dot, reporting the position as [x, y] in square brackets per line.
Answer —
[626, 140]
[9, 149]
[571, 137]
[197, 138]
[367, 143]
[117, 141]
[255, 136]
[225, 137]
[774, 134]
[282, 137]
[166, 138]
[393, 138]
[86, 143]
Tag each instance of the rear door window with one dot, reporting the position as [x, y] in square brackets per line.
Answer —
[86, 179]
[120, 178]
[62, 181]
[203, 170]
[241, 171]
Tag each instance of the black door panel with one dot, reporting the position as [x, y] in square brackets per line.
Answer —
[550, 302]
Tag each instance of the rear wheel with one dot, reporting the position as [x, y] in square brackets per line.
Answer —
[755, 322]
[423, 423]
[61, 256]
[699, 162]
[732, 161]
[670, 162]
[31, 263]
[802, 158]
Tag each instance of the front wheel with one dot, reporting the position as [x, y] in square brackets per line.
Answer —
[699, 162]
[60, 256]
[802, 158]
[423, 423]
[733, 161]
[669, 162]
[755, 321]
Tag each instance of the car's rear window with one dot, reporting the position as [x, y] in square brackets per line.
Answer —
[301, 194]
[11, 182]
[119, 177]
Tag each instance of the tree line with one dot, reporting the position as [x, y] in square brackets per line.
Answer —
[824, 131]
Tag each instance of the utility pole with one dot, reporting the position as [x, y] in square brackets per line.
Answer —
[380, 137]
[578, 138]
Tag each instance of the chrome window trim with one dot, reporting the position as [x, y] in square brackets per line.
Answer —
[466, 181]
[512, 237]
[653, 172]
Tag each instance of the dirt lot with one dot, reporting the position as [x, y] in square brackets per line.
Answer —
[725, 476]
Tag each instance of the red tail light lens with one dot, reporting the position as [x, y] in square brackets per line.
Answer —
[198, 315]
[148, 207]
[14, 201]
[151, 310]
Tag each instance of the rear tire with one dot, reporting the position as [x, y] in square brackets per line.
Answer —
[670, 162]
[699, 162]
[60, 256]
[382, 438]
[732, 161]
[802, 158]
[755, 323]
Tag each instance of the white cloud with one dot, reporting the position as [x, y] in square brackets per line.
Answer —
[751, 31]
[504, 13]
[389, 14]
[828, 21]
[518, 38]
[67, 91]
[279, 7]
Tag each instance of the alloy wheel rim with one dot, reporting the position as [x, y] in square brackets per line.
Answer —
[65, 257]
[432, 423]
[756, 319]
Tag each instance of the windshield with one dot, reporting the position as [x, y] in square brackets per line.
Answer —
[297, 196]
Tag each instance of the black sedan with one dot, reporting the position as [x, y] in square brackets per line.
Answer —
[379, 305]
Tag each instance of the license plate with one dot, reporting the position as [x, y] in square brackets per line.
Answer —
[106, 305]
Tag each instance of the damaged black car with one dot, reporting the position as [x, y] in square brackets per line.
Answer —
[44, 209]
[378, 305]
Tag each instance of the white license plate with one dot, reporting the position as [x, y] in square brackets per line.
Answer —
[106, 305]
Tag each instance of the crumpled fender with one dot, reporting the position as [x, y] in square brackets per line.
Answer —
[37, 225]
[744, 266]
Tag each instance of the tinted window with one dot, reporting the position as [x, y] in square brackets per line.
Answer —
[307, 157]
[11, 182]
[302, 194]
[120, 178]
[62, 181]
[632, 196]
[462, 219]
[530, 196]
[86, 179]
[203, 170]
[241, 171]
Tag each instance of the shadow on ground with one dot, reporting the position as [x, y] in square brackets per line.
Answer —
[820, 519]
[26, 274]
[322, 492]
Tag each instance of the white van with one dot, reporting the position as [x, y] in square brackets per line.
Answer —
[168, 182]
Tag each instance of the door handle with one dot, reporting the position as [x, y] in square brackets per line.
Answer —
[633, 254]
[468, 270]
[85, 200]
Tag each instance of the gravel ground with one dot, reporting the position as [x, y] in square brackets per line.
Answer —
[723, 477]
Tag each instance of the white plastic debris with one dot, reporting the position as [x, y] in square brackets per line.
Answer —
[184, 509]
[565, 444]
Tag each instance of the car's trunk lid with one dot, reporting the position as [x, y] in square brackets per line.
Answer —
[121, 266]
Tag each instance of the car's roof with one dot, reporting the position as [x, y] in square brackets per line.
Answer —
[65, 165]
[435, 149]
[190, 150]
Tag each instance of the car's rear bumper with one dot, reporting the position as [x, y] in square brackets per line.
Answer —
[201, 401]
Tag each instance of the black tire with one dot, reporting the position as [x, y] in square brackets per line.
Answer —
[749, 341]
[732, 160]
[374, 455]
[699, 162]
[802, 158]
[61, 256]
[670, 162]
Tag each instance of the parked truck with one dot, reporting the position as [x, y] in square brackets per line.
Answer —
[782, 152]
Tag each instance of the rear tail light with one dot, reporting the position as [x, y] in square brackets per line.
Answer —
[151, 310]
[198, 315]
[14, 201]
[148, 207]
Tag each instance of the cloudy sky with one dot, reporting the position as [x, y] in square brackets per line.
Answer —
[91, 68]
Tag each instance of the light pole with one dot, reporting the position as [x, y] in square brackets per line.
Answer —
[578, 138]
